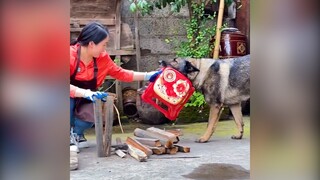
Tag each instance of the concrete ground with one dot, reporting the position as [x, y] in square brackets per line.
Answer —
[222, 158]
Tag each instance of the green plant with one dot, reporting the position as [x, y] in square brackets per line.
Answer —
[199, 34]
[146, 7]
[197, 99]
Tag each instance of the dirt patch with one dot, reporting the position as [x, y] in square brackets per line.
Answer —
[219, 171]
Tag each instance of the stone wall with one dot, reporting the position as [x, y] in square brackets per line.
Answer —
[154, 29]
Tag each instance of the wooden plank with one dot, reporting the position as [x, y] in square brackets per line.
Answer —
[118, 24]
[158, 150]
[73, 160]
[146, 134]
[109, 114]
[119, 90]
[149, 141]
[121, 52]
[137, 43]
[85, 21]
[120, 146]
[138, 145]
[169, 135]
[184, 149]
[172, 150]
[177, 132]
[99, 128]
[137, 154]
[120, 153]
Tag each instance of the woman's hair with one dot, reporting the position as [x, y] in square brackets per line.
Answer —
[94, 31]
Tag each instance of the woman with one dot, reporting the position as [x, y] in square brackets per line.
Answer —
[89, 66]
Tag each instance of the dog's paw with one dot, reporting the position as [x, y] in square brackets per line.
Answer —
[236, 137]
[201, 140]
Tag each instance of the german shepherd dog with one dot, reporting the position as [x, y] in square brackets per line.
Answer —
[223, 82]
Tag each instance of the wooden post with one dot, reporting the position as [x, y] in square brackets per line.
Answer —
[137, 43]
[98, 127]
[109, 114]
[118, 47]
[218, 32]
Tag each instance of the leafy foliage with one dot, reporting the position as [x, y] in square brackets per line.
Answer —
[199, 34]
[146, 7]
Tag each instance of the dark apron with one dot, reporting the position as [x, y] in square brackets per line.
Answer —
[84, 107]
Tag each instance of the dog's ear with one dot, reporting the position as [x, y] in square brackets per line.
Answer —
[162, 63]
[189, 68]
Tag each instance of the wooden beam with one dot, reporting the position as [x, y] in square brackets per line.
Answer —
[149, 141]
[73, 160]
[146, 134]
[176, 132]
[85, 21]
[121, 52]
[172, 150]
[120, 146]
[184, 149]
[118, 24]
[137, 154]
[120, 153]
[137, 43]
[99, 127]
[169, 135]
[157, 150]
[119, 90]
[138, 145]
[109, 115]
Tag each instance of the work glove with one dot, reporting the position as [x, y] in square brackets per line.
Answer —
[99, 95]
[152, 76]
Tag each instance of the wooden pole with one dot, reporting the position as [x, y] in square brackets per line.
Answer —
[118, 47]
[109, 114]
[98, 127]
[218, 32]
[137, 43]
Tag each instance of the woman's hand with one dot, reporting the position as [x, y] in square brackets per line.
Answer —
[90, 94]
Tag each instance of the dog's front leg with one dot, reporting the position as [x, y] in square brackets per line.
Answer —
[237, 114]
[212, 124]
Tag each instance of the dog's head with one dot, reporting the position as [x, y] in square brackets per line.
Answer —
[185, 66]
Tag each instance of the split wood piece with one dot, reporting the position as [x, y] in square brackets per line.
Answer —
[184, 149]
[138, 145]
[99, 127]
[109, 115]
[149, 141]
[120, 146]
[173, 150]
[121, 153]
[169, 135]
[158, 150]
[137, 154]
[146, 134]
[73, 160]
[176, 132]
